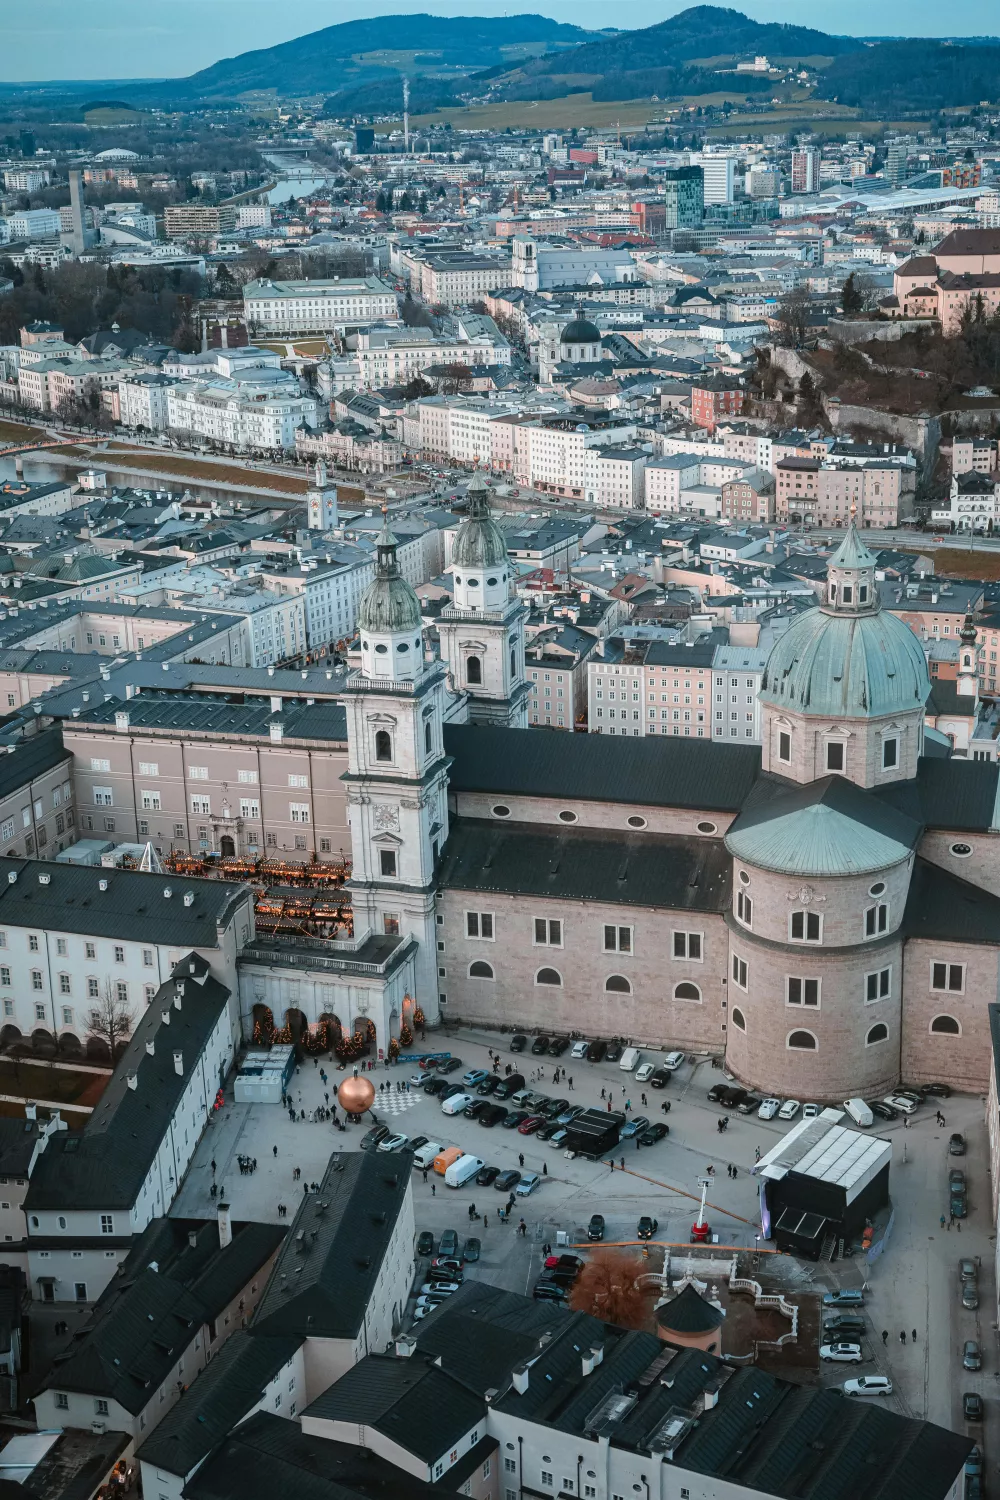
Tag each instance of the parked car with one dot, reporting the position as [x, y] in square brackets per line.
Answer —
[418, 1141]
[645, 1072]
[768, 1109]
[547, 1131]
[972, 1357]
[956, 1144]
[868, 1385]
[493, 1114]
[518, 1043]
[529, 1181]
[448, 1243]
[451, 1264]
[473, 1249]
[716, 1092]
[970, 1295]
[455, 1104]
[789, 1109]
[901, 1103]
[810, 1111]
[967, 1270]
[569, 1115]
[972, 1406]
[659, 1078]
[956, 1180]
[654, 1133]
[394, 1143]
[530, 1125]
[475, 1107]
[843, 1326]
[974, 1462]
[450, 1065]
[552, 1108]
[558, 1046]
[549, 1291]
[732, 1097]
[646, 1227]
[844, 1298]
[938, 1090]
[540, 1046]
[614, 1052]
[579, 1050]
[595, 1229]
[440, 1286]
[425, 1242]
[565, 1262]
[474, 1077]
[426, 1305]
[489, 1085]
[634, 1126]
[958, 1205]
[883, 1110]
[374, 1137]
[849, 1354]
[450, 1090]
[515, 1117]
[487, 1175]
[559, 1137]
[672, 1061]
[750, 1105]
[507, 1181]
[596, 1050]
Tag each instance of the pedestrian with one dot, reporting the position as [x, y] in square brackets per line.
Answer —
[885, 1335]
[942, 1221]
[623, 1163]
[664, 1107]
[644, 1099]
[623, 1090]
[628, 1106]
[433, 1190]
[569, 1084]
[425, 1174]
[213, 1166]
[958, 1225]
[275, 1150]
[472, 1211]
[609, 1106]
[545, 1169]
[906, 1122]
[611, 1164]
[603, 1093]
[756, 1153]
[902, 1335]
[913, 1335]
[520, 1159]
[711, 1170]
[943, 1120]
[486, 1221]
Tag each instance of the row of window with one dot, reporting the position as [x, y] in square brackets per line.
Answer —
[89, 949]
[806, 1041]
[195, 773]
[807, 926]
[548, 933]
[836, 752]
[201, 806]
[944, 978]
[615, 984]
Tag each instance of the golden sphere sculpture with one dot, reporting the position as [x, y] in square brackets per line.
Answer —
[356, 1095]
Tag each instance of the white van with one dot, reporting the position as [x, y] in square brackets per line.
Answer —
[459, 1173]
[424, 1157]
[456, 1104]
[859, 1112]
[630, 1060]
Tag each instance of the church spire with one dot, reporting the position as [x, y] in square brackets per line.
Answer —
[851, 588]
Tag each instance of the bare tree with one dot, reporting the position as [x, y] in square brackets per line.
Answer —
[793, 318]
[110, 1020]
[606, 1288]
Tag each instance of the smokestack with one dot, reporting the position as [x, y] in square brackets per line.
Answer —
[225, 1227]
[79, 243]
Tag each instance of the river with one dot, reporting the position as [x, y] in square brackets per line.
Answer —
[47, 471]
[298, 177]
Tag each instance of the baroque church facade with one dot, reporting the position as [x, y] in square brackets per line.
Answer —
[822, 909]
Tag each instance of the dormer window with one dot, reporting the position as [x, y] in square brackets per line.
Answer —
[862, 593]
[848, 593]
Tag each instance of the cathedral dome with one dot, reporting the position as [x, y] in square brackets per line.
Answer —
[848, 658]
[580, 331]
[388, 606]
[479, 542]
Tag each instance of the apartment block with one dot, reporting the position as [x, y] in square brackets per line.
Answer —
[196, 221]
[820, 494]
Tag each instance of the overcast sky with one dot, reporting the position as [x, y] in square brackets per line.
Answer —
[71, 39]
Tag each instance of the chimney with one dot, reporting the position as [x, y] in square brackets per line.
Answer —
[151, 1047]
[132, 1081]
[179, 1063]
[193, 1238]
[587, 1360]
[711, 1398]
[276, 703]
[165, 1017]
[405, 1346]
[225, 1226]
[519, 1379]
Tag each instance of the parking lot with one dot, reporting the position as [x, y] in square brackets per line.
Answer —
[914, 1285]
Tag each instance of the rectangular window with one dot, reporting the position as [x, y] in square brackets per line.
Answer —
[784, 746]
[744, 908]
[687, 945]
[90, 950]
[149, 768]
[62, 947]
[948, 977]
[62, 1400]
[739, 972]
[890, 754]
[876, 919]
[197, 773]
[119, 954]
[107, 1224]
[298, 812]
[36, 979]
[201, 806]
[103, 797]
[65, 987]
[249, 807]
[805, 927]
[150, 801]
[835, 755]
[878, 985]
[100, 765]
[249, 778]
[387, 862]
[5, 975]
[7, 830]
[298, 781]
[93, 988]
[121, 991]
[479, 924]
[548, 933]
[39, 1012]
[617, 939]
[67, 1015]
[803, 992]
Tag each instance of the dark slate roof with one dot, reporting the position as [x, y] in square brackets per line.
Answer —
[269, 1456]
[654, 772]
[941, 906]
[330, 1262]
[482, 1332]
[31, 758]
[220, 1398]
[953, 794]
[587, 864]
[105, 1165]
[17, 1142]
[132, 906]
[944, 698]
[689, 1312]
[410, 1401]
[198, 714]
[188, 1250]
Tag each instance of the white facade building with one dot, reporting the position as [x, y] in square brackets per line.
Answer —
[252, 417]
[294, 307]
[142, 401]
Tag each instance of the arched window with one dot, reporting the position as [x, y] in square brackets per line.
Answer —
[513, 662]
[383, 745]
[946, 1026]
[473, 670]
[877, 1033]
[428, 742]
[738, 1019]
[548, 976]
[618, 984]
[803, 1040]
[686, 991]
[481, 970]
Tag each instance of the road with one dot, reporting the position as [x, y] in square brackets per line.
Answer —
[913, 1285]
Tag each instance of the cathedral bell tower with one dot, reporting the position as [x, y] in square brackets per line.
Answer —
[482, 631]
[397, 771]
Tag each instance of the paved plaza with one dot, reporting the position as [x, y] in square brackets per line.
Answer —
[913, 1286]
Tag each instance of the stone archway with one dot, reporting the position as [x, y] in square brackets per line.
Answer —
[331, 1030]
[394, 1025]
[227, 846]
[70, 1045]
[263, 1025]
[98, 1050]
[364, 1027]
[43, 1043]
[296, 1024]
[8, 1036]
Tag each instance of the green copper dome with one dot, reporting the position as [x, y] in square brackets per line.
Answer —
[388, 606]
[479, 542]
[851, 666]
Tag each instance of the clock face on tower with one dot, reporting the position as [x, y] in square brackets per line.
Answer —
[385, 815]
